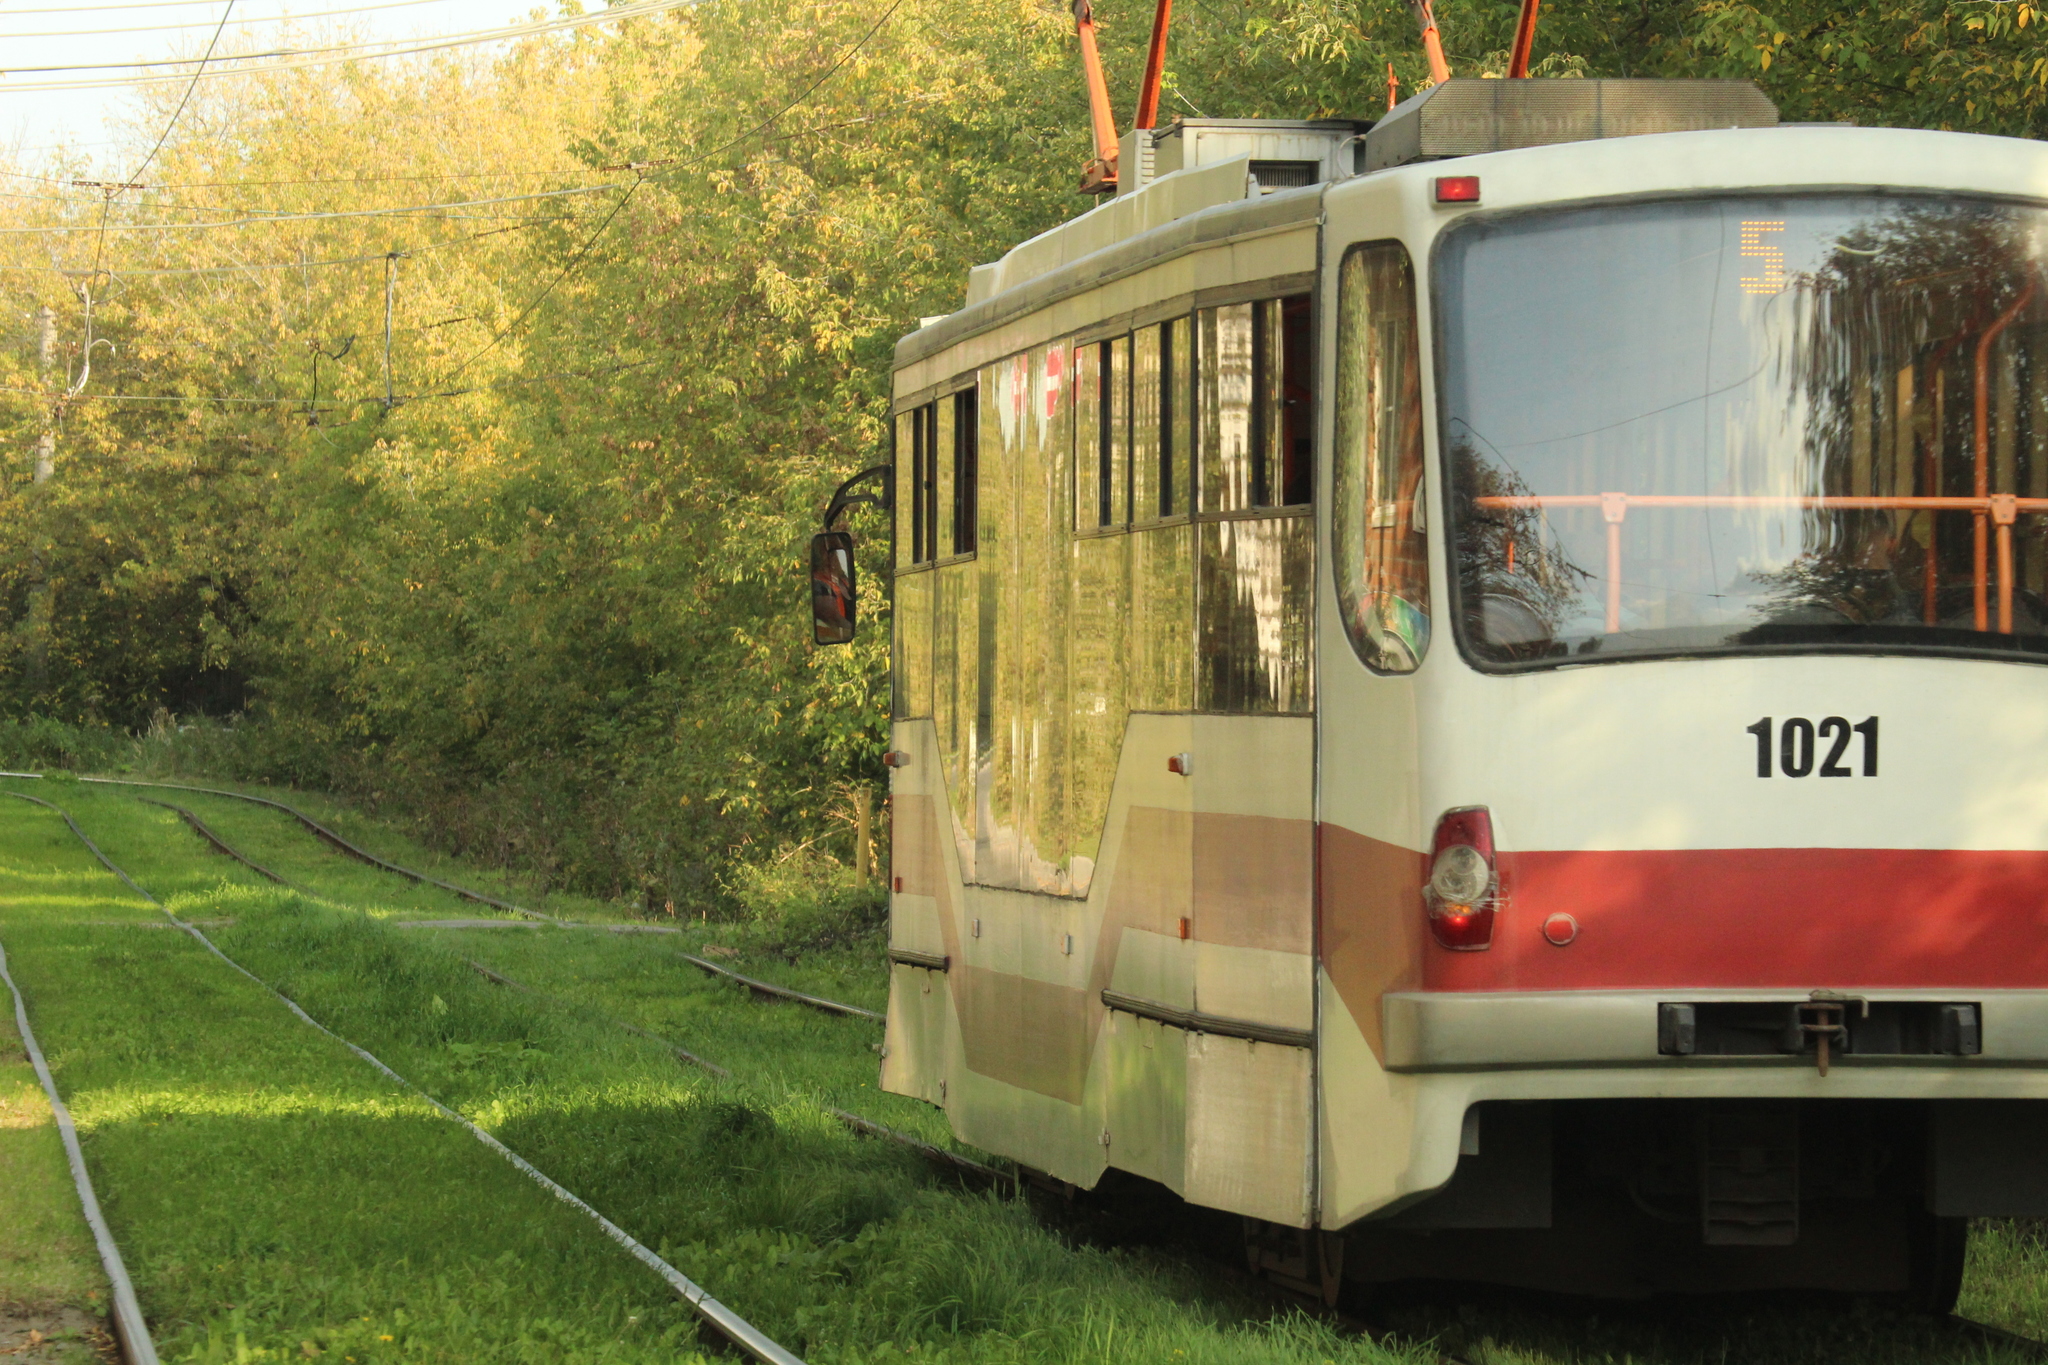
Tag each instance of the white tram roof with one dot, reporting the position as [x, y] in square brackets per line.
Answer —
[1704, 135]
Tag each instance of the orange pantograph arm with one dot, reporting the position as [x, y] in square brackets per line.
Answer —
[1098, 91]
[1155, 68]
[1525, 39]
[1432, 42]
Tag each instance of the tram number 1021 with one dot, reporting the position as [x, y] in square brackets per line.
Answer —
[1799, 741]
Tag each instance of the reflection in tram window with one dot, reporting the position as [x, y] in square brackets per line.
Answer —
[1813, 422]
[966, 470]
[1224, 342]
[1101, 434]
[1283, 447]
[917, 436]
[1379, 527]
[1176, 416]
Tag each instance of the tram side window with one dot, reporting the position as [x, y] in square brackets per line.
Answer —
[1283, 417]
[1380, 530]
[1162, 420]
[966, 509]
[1102, 382]
[918, 488]
[1256, 405]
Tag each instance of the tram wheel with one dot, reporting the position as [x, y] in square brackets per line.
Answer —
[1940, 1247]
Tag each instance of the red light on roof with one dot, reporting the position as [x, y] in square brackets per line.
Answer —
[1457, 189]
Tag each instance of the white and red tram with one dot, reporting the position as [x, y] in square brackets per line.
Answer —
[1488, 709]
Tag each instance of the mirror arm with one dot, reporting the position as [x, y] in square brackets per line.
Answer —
[844, 497]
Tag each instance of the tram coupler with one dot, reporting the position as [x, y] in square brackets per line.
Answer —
[1822, 1019]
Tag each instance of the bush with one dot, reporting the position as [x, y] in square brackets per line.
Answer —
[805, 901]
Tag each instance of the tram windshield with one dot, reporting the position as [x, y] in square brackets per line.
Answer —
[1738, 425]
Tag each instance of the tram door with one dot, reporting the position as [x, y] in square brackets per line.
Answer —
[1375, 631]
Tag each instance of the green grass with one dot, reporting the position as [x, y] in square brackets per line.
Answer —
[46, 1252]
[271, 1191]
[325, 1206]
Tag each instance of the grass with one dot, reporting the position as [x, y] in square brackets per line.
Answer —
[50, 1277]
[275, 1195]
[846, 1250]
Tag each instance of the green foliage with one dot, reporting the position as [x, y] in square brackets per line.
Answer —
[549, 600]
[800, 904]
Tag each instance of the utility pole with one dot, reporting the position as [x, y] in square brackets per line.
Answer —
[46, 357]
[45, 467]
[390, 293]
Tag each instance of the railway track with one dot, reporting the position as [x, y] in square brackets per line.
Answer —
[131, 1329]
[1999, 1340]
[953, 1162]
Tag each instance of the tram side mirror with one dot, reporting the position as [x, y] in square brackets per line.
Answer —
[832, 602]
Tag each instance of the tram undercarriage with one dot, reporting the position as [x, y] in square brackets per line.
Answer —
[1631, 1198]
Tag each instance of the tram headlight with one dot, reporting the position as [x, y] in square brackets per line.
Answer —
[1462, 890]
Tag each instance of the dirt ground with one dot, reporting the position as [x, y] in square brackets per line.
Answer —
[54, 1336]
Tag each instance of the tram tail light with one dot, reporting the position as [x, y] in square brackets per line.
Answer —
[1463, 888]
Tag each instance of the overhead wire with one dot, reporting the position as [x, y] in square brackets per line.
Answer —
[379, 256]
[104, 9]
[107, 209]
[640, 179]
[322, 215]
[171, 28]
[310, 58]
[313, 180]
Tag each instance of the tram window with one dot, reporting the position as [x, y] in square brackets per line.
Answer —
[1792, 422]
[1382, 561]
[1101, 437]
[1176, 416]
[966, 507]
[1147, 498]
[918, 431]
[1256, 405]
[1283, 443]
[944, 460]
[1226, 339]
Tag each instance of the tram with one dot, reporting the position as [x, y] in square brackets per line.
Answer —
[1470, 689]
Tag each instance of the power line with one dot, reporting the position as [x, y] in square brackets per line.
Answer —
[256, 219]
[266, 265]
[169, 28]
[308, 58]
[104, 9]
[107, 208]
[597, 232]
[313, 180]
[249, 214]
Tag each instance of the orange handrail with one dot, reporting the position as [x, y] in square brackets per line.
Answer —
[1983, 453]
[2002, 509]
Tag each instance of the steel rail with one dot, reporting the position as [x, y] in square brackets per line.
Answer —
[199, 827]
[939, 1156]
[735, 1328]
[816, 1002]
[2000, 1335]
[129, 1326]
[684, 1053]
[325, 834]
